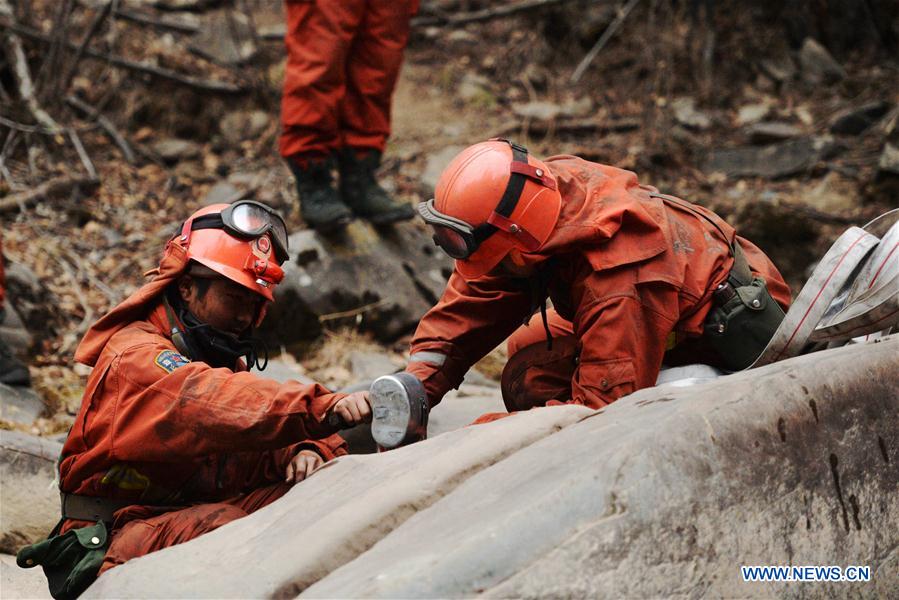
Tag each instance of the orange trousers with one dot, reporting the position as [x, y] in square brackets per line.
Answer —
[143, 536]
[535, 375]
[343, 60]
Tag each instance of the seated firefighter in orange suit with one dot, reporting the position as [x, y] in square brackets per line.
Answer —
[636, 278]
[174, 437]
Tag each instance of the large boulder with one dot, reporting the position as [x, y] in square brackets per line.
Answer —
[347, 507]
[30, 504]
[20, 404]
[666, 492]
[382, 281]
[21, 583]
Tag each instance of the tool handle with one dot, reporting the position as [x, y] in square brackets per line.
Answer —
[335, 420]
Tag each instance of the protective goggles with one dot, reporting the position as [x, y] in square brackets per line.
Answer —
[460, 239]
[248, 219]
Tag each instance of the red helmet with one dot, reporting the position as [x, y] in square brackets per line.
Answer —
[245, 242]
[492, 198]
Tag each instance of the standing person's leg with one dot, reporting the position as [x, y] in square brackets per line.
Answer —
[373, 66]
[318, 39]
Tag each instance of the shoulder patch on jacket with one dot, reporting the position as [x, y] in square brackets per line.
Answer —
[169, 360]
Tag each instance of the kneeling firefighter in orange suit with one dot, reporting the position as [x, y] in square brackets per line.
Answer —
[636, 278]
[175, 437]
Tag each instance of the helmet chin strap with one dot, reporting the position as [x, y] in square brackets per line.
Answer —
[203, 342]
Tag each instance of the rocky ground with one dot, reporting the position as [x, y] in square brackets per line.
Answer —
[790, 132]
[785, 124]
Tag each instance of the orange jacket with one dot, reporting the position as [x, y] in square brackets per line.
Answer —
[158, 429]
[628, 270]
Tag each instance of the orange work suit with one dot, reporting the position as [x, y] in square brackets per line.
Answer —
[192, 446]
[630, 275]
[343, 60]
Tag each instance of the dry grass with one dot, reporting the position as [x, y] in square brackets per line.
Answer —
[329, 362]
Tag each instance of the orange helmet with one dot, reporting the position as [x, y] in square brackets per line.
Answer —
[245, 242]
[492, 198]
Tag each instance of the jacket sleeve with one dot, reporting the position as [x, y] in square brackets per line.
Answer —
[470, 320]
[622, 332]
[328, 448]
[272, 464]
[163, 413]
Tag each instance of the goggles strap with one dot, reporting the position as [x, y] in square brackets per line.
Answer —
[509, 200]
[212, 221]
[516, 183]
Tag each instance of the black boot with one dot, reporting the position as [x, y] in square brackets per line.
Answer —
[12, 371]
[320, 205]
[360, 190]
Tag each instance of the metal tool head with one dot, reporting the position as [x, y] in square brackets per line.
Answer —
[399, 410]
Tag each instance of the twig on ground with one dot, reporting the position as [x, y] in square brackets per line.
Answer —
[251, 22]
[9, 145]
[168, 23]
[623, 12]
[51, 62]
[25, 128]
[82, 154]
[351, 313]
[99, 18]
[487, 13]
[57, 186]
[88, 318]
[207, 85]
[587, 125]
[106, 124]
[16, 55]
[84, 272]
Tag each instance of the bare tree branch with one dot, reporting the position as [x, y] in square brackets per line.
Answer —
[82, 154]
[27, 90]
[106, 124]
[488, 13]
[169, 23]
[99, 18]
[207, 85]
[623, 12]
[58, 186]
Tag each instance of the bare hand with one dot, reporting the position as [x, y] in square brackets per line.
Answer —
[302, 466]
[353, 408]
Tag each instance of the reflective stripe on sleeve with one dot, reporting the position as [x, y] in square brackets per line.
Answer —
[434, 358]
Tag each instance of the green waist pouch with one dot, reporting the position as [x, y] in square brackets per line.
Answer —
[70, 561]
[742, 322]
